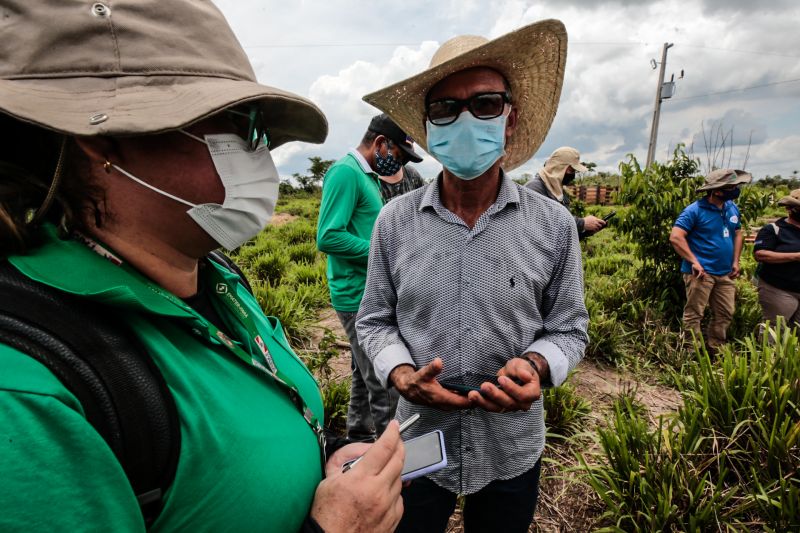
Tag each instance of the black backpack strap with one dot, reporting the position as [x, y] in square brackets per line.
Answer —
[222, 259]
[103, 364]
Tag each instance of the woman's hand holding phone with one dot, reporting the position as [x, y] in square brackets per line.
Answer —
[367, 498]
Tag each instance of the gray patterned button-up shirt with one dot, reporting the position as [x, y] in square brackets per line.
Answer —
[476, 298]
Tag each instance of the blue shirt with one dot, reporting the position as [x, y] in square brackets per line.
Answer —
[711, 233]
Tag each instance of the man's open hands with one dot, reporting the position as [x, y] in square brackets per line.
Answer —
[422, 388]
[513, 396]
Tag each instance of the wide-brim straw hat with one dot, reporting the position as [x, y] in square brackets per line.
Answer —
[133, 67]
[793, 200]
[723, 177]
[531, 58]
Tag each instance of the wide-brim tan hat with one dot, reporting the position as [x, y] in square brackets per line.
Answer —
[531, 58]
[723, 177]
[133, 67]
[793, 200]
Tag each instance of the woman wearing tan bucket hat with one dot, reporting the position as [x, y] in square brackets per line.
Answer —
[492, 310]
[777, 249]
[135, 141]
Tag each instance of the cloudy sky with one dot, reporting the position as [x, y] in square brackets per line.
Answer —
[741, 68]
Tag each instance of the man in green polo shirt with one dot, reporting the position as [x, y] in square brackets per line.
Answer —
[351, 201]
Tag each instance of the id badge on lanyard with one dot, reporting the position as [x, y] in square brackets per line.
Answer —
[265, 363]
[726, 233]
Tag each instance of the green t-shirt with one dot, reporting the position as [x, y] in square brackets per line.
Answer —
[248, 459]
[351, 201]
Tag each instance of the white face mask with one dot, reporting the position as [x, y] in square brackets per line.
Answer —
[251, 190]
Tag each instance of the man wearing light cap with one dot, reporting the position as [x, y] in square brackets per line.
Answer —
[708, 237]
[475, 281]
[559, 171]
[351, 201]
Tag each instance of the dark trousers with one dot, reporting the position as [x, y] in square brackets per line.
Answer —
[502, 505]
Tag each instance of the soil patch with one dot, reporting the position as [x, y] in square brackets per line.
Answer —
[279, 219]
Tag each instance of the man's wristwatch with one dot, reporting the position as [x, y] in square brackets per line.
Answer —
[543, 374]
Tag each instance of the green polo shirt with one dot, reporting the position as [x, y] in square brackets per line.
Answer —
[248, 459]
[351, 201]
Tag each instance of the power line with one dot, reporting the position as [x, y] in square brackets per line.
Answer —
[736, 90]
[328, 45]
[738, 51]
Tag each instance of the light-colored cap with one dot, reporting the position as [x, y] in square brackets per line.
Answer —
[133, 67]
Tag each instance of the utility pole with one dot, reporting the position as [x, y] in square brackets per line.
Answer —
[651, 149]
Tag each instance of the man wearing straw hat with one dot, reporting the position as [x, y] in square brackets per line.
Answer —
[558, 171]
[708, 237]
[489, 285]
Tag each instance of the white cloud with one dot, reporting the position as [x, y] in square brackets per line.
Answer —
[607, 100]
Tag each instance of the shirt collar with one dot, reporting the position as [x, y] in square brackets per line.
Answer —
[508, 194]
[362, 162]
[705, 204]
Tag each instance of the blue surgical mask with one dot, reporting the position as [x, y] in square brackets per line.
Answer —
[732, 194]
[468, 146]
[387, 166]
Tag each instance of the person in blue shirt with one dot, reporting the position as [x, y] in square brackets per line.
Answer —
[708, 236]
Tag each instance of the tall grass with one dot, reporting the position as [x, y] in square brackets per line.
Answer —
[729, 457]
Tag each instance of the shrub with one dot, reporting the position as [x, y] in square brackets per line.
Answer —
[304, 252]
[305, 274]
[565, 411]
[728, 459]
[336, 399]
[657, 195]
[270, 267]
[298, 231]
[291, 308]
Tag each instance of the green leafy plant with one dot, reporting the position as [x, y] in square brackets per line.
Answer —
[336, 400]
[565, 411]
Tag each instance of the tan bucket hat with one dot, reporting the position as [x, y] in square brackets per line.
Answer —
[531, 58]
[722, 177]
[131, 67]
[793, 200]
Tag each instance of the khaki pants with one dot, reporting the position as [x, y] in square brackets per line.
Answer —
[718, 292]
[777, 302]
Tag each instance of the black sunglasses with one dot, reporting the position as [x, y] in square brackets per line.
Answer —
[483, 106]
[253, 123]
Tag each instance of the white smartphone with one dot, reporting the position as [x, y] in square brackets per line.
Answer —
[424, 454]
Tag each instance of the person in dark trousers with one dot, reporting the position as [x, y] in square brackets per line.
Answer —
[777, 249]
[558, 171]
[474, 278]
[351, 201]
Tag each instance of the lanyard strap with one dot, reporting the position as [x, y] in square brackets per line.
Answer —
[227, 294]
[264, 363]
